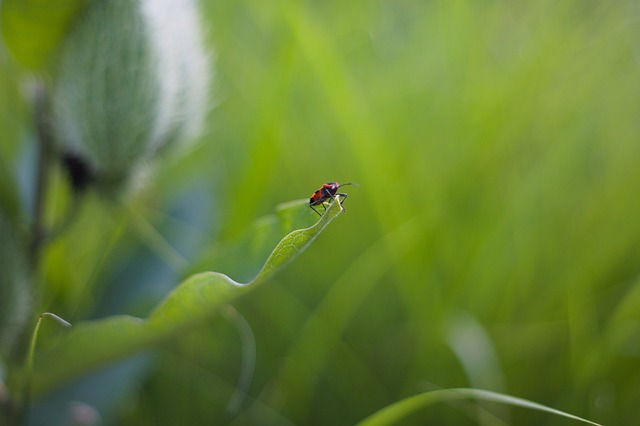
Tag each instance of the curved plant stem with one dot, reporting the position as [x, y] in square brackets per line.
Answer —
[29, 364]
[248, 358]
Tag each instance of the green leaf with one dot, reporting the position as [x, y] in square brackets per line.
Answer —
[33, 29]
[91, 344]
[394, 413]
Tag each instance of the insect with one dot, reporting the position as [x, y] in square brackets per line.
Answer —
[328, 191]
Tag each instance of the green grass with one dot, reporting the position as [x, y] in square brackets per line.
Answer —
[493, 243]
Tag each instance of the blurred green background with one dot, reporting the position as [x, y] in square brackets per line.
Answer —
[494, 241]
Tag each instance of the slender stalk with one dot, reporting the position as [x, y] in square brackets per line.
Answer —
[248, 361]
[43, 168]
[26, 402]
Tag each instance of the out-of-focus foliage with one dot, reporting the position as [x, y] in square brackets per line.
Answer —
[15, 303]
[32, 29]
[493, 242]
[11, 113]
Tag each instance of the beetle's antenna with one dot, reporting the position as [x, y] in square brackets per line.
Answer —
[345, 184]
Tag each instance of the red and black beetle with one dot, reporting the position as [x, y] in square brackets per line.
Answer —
[328, 191]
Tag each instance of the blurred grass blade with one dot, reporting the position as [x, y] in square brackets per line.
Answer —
[91, 344]
[33, 29]
[394, 413]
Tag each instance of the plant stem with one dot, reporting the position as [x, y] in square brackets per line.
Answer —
[29, 364]
[43, 166]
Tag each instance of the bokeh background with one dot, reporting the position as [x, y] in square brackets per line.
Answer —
[493, 242]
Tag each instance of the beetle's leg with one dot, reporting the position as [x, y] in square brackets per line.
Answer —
[340, 201]
[319, 202]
